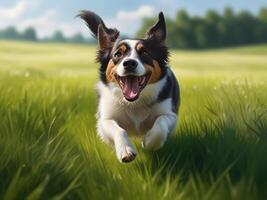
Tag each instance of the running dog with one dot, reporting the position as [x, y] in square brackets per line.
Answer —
[138, 93]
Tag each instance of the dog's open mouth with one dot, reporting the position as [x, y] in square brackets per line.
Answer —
[131, 85]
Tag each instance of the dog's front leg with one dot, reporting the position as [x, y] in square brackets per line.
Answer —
[112, 133]
[157, 135]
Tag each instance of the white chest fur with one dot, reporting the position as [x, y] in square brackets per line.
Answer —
[137, 116]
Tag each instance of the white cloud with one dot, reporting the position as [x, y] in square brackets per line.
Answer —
[13, 15]
[14, 11]
[49, 22]
[74, 26]
[20, 15]
[129, 21]
[141, 12]
[45, 24]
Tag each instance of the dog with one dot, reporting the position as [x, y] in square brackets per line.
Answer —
[138, 92]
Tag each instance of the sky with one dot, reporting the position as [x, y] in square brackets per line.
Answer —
[46, 16]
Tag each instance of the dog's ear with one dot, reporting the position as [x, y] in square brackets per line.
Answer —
[158, 30]
[105, 39]
[106, 36]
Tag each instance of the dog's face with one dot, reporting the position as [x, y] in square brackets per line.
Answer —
[131, 64]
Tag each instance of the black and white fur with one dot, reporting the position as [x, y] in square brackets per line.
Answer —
[155, 111]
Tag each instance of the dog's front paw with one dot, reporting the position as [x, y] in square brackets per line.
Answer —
[154, 140]
[125, 153]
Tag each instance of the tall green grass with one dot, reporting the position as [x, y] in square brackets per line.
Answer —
[48, 143]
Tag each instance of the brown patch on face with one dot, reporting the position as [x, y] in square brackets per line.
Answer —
[123, 48]
[110, 71]
[155, 71]
[139, 47]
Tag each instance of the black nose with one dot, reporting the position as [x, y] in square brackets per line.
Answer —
[130, 64]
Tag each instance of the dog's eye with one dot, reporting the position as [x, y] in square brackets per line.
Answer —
[118, 54]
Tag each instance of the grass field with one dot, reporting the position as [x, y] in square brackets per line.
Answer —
[48, 143]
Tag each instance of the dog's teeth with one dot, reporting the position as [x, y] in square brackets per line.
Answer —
[140, 80]
[143, 80]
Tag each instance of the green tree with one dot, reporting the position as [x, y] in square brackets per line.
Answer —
[58, 36]
[10, 33]
[244, 28]
[200, 32]
[227, 27]
[212, 32]
[77, 38]
[183, 36]
[261, 31]
[146, 24]
[263, 15]
[29, 34]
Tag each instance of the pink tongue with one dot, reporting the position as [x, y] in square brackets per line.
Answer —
[131, 87]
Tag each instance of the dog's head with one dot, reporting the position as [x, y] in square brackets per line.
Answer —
[131, 64]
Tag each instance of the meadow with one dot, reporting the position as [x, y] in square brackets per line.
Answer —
[48, 143]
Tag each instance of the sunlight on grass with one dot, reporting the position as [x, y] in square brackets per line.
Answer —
[49, 147]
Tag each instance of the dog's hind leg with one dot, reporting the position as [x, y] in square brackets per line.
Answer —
[157, 135]
[112, 133]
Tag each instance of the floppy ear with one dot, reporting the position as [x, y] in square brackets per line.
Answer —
[158, 30]
[106, 36]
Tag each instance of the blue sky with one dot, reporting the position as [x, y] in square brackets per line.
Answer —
[50, 15]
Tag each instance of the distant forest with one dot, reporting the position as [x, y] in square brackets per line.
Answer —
[213, 30]
[29, 34]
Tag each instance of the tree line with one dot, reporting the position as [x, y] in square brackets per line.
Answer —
[213, 29]
[29, 34]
